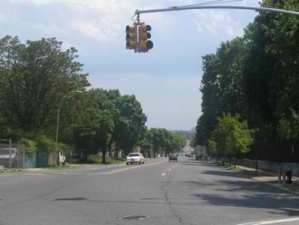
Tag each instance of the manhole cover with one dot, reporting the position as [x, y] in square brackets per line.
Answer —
[133, 217]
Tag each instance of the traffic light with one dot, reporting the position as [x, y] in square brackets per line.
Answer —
[144, 43]
[131, 37]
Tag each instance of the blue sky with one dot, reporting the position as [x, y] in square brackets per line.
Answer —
[166, 80]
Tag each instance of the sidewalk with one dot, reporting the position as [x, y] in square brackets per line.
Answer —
[269, 178]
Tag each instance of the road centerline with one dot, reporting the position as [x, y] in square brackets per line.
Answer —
[133, 167]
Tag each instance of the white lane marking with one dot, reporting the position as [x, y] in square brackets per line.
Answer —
[271, 221]
[169, 169]
[162, 174]
[173, 166]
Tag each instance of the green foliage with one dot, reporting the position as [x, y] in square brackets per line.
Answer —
[163, 141]
[113, 120]
[255, 76]
[26, 145]
[129, 123]
[231, 137]
[271, 68]
[212, 146]
[221, 86]
[34, 77]
[45, 143]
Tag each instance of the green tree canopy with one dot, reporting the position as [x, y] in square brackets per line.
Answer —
[231, 137]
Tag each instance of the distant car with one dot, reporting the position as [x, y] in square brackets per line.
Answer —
[173, 157]
[135, 157]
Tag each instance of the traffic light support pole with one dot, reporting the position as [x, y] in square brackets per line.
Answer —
[180, 8]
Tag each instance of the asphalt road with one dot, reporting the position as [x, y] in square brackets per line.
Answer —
[161, 192]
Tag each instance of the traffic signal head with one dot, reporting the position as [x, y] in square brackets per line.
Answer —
[131, 37]
[144, 43]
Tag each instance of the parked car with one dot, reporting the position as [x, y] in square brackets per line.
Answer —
[173, 157]
[8, 157]
[62, 158]
[135, 157]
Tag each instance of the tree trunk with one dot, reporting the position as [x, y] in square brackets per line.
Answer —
[104, 157]
[116, 152]
[274, 131]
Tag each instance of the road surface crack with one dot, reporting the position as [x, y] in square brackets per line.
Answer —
[172, 210]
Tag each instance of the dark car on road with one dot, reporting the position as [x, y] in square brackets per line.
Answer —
[173, 157]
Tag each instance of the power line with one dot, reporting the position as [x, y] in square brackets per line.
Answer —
[212, 3]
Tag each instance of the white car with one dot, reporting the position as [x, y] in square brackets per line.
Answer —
[135, 157]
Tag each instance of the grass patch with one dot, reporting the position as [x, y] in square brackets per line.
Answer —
[6, 171]
[237, 169]
[230, 167]
[294, 187]
[116, 161]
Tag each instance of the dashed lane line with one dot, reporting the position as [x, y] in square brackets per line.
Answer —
[134, 167]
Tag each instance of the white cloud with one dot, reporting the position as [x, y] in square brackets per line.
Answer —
[89, 30]
[217, 23]
[9, 18]
[34, 2]
[251, 2]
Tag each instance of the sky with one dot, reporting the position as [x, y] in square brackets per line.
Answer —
[165, 80]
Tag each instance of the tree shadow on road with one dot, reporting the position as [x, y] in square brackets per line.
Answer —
[250, 194]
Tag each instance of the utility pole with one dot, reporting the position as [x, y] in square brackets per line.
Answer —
[181, 8]
[9, 146]
[58, 121]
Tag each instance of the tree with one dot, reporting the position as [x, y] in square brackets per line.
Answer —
[221, 86]
[26, 145]
[129, 123]
[34, 77]
[112, 120]
[178, 142]
[231, 136]
[271, 67]
[162, 141]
